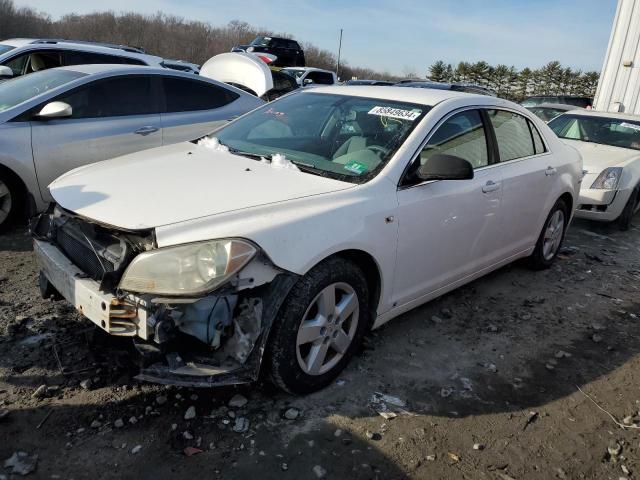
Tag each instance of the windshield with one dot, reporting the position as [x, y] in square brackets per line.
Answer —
[5, 48]
[546, 113]
[339, 136]
[261, 42]
[294, 72]
[616, 132]
[14, 92]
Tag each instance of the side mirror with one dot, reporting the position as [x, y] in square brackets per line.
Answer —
[55, 110]
[445, 167]
[5, 72]
[307, 81]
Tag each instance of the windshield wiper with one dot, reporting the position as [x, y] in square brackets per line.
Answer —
[307, 167]
[253, 156]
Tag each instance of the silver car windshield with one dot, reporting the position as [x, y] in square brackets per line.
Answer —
[340, 136]
[18, 90]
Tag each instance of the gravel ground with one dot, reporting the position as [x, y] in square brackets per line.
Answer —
[487, 381]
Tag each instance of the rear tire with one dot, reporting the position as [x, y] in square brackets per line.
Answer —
[551, 237]
[624, 220]
[11, 200]
[319, 327]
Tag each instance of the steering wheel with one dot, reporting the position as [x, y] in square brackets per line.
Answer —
[378, 150]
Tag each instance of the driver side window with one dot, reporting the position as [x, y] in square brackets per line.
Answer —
[462, 135]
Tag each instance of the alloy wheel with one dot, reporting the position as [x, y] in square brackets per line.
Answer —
[327, 329]
[553, 235]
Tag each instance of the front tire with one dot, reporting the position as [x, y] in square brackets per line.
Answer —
[319, 327]
[624, 220]
[551, 237]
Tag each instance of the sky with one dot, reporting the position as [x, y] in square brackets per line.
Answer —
[402, 36]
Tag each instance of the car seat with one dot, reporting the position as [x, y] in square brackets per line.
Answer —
[371, 131]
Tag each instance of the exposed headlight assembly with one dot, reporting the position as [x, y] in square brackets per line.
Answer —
[608, 179]
[191, 269]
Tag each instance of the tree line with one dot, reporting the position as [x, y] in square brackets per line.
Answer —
[167, 36]
[508, 82]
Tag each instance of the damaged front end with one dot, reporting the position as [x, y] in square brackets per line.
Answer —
[214, 334]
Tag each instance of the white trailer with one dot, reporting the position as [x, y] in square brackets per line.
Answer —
[619, 85]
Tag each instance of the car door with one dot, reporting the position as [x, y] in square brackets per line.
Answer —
[528, 175]
[447, 229]
[110, 117]
[194, 108]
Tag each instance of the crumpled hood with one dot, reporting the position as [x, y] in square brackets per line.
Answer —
[597, 157]
[179, 182]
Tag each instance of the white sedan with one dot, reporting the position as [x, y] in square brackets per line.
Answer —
[302, 225]
[609, 144]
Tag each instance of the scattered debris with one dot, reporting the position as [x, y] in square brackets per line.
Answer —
[291, 413]
[21, 463]
[86, 384]
[478, 446]
[614, 448]
[241, 425]
[533, 416]
[238, 401]
[190, 413]
[40, 392]
[42, 422]
[453, 456]
[191, 451]
[319, 471]
[136, 449]
[431, 457]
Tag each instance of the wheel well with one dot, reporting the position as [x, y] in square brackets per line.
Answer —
[568, 200]
[371, 273]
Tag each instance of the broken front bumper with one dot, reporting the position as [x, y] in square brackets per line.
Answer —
[126, 317]
[602, 205]
[236, 361]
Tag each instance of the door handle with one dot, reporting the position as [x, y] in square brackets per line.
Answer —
[146, 130]
[550, 171]
[490, 186]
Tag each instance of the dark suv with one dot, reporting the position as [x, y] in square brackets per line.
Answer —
[288, 51]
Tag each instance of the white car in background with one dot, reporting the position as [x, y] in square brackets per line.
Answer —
[610, 147]
[301, 226]
[306, 76]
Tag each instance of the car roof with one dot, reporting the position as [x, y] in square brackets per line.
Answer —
[423, 96]
[109, 49]
[616, 115]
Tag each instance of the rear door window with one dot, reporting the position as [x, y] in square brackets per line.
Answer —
[182, 95]
[512, 134]
[115, 97]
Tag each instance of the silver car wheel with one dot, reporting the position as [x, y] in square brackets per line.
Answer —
[327, 329]
[553, 235]
[5, 201]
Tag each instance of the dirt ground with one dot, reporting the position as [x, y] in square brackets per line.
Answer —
[487, 382]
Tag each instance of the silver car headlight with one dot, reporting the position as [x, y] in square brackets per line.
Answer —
[608, 179]
[191, 269]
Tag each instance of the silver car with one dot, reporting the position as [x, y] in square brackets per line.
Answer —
[59, 119]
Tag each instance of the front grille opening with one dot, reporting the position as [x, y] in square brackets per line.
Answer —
[80, 252]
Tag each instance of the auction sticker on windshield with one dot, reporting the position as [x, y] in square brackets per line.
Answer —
[395, 113]
[355, 167]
